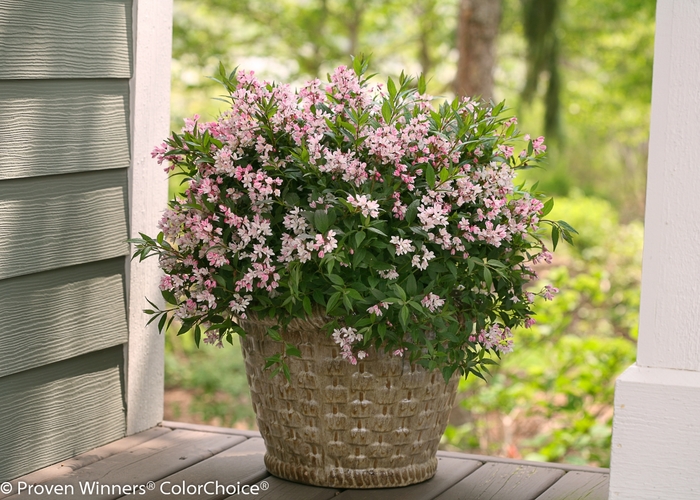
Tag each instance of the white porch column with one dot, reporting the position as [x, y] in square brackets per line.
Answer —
[656, 429]
[148, 191]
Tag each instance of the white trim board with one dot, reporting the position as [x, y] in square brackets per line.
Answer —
[148, 188]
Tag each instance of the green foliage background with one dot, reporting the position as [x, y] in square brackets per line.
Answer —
[552, 398]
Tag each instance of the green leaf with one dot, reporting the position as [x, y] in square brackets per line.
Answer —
[415, 305]
[197, 335]
[488, 278]
[292, 199]
[184, 328]
[444, 174]
[169, 297]
[292, 350]
[161, 323]
[358, 257]
[555, 237]
[495, 263]
[453, 269]
[386, 111]
[321, 220]
[318, 297]
[566, 235]
[307, 305]
[336, 280]
[548, 205]
[333, 302]
[411, 287]
[403, 317]
[430, 176]
[566, 226]
[391, 87]
[347, 302]
[421, 84]
[447, 372]
[412, 210]
[274, 334]
[359, 238]
[399, 291]
[375, 230]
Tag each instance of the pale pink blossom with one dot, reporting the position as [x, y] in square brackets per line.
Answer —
[403, 246]
[432, 302]
[367, 206]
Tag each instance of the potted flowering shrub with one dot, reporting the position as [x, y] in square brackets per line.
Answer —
[368, 249]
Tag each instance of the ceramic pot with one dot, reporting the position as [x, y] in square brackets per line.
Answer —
[371, 425]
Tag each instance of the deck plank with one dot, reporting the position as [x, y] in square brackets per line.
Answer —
[195, 454]
[497, 481]
[450, 472]
[242, 464]
[150, 461]
[66, 467]
[502, 460]
[209, 428]
[579, 486]
[280, 489]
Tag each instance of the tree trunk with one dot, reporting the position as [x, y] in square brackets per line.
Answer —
[476, 42]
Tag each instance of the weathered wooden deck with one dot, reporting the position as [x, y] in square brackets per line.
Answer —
[163, 459]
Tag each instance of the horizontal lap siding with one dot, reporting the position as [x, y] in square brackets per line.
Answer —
[60, 410]
[73, 310]
[61, 126]
[57, 221]
[64, 158]
[65, 39]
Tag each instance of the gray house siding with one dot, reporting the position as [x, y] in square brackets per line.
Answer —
[64, 156]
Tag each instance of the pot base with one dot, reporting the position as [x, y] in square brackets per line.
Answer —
[332, 477]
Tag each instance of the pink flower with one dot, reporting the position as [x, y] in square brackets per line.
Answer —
[402, 245]
[389, 274]
[549, 291]
[432, 302]
[367, 206]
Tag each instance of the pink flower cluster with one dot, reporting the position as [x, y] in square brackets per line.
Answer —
[346, 338]
[496, 337]
[286, 178]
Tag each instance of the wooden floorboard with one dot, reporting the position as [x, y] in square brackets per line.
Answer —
[65, 468]
[242, 464]
[579, 486]
[176, 455]
[274, 488]
[150, 461]
[495, 481]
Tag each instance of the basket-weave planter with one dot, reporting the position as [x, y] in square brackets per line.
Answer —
[373, 425]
